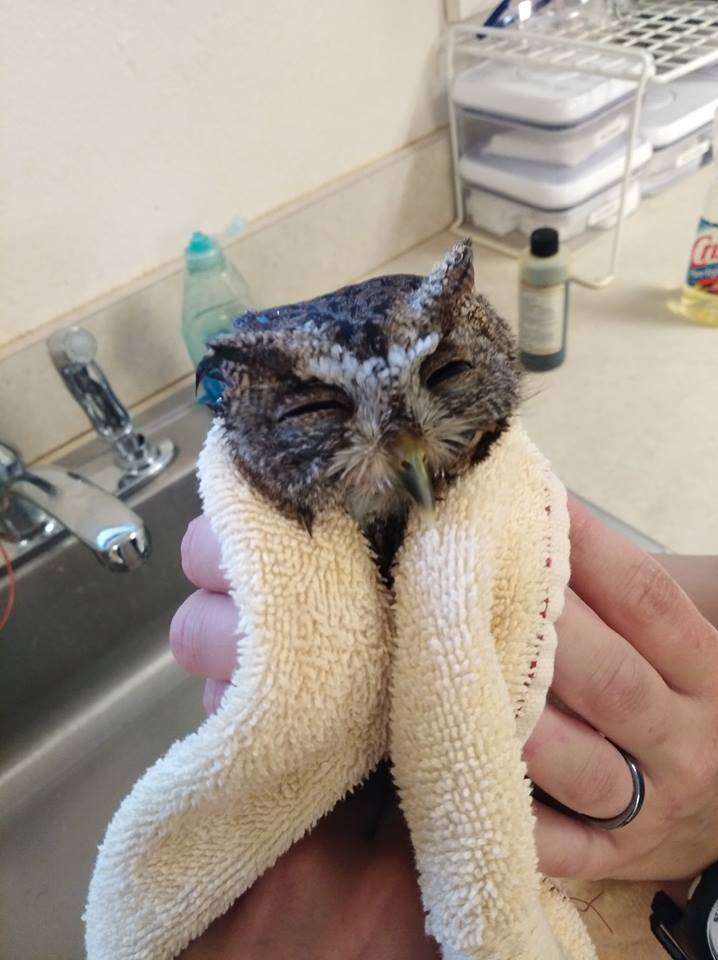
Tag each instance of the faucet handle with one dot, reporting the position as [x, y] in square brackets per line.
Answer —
[12, 467]
[72, 345]
[19, 521]
[73, 351]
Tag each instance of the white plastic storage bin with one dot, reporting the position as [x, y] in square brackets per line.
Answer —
[501, 216]
[550, 98]
[549, 186]
[568, 146]
[672, 163]
[678, 119]
[673, 111]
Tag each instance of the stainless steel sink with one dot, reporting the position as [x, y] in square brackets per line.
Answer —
[89, 697]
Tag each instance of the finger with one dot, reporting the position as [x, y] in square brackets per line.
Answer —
[569, 848]
[214, 690]
[201, 557]
[634, 595]
[203, 635]
[603, 679]
[577, 766]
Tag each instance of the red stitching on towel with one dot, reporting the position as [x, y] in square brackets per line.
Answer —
[544, 615]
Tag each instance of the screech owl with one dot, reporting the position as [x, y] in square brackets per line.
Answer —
[369, 398]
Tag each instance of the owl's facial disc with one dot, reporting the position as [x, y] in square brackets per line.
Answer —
[369, 398]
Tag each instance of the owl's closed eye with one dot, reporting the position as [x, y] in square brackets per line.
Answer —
[371, 398]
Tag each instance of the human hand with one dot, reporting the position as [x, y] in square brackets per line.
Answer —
[637, 663]
[349, 888]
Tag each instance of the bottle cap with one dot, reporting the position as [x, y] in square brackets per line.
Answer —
[202, 252]
[544, 242]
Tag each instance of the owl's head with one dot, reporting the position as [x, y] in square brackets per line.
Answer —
[370, 397]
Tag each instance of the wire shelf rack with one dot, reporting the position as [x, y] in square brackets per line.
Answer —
[679, 37]
[657, 41]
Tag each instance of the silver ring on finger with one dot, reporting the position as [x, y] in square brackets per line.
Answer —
[606, 823]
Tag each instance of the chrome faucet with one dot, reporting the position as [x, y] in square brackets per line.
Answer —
[72, 351]
[36, 503]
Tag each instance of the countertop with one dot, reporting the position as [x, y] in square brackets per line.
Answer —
[630, 420]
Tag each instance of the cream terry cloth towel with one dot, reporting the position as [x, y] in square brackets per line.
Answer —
[448, 677]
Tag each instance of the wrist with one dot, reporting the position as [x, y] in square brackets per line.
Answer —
[679, 890]
[689, 931]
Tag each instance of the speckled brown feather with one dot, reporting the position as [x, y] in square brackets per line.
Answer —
[316, 393]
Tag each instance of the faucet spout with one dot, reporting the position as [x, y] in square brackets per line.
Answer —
[32, 498]
[114, 533]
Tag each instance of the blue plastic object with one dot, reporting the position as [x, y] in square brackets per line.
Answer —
[202, 252]
[506, 14]
[215, 293]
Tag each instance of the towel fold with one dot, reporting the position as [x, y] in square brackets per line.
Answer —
[448, 677]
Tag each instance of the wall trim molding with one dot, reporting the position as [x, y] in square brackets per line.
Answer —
[327, 238]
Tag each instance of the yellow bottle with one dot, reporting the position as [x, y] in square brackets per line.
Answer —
[699, 298]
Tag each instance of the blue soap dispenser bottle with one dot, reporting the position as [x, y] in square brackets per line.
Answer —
[214, 294]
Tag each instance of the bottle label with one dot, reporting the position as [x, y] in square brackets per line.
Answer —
[541, 318]
[703, 268]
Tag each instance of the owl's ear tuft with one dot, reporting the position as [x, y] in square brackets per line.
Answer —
[449, 283]
[458, 269]
[453, 277]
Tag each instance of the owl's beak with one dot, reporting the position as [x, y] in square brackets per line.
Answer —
[412, 472]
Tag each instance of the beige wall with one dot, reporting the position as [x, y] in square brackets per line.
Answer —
[126, 124]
